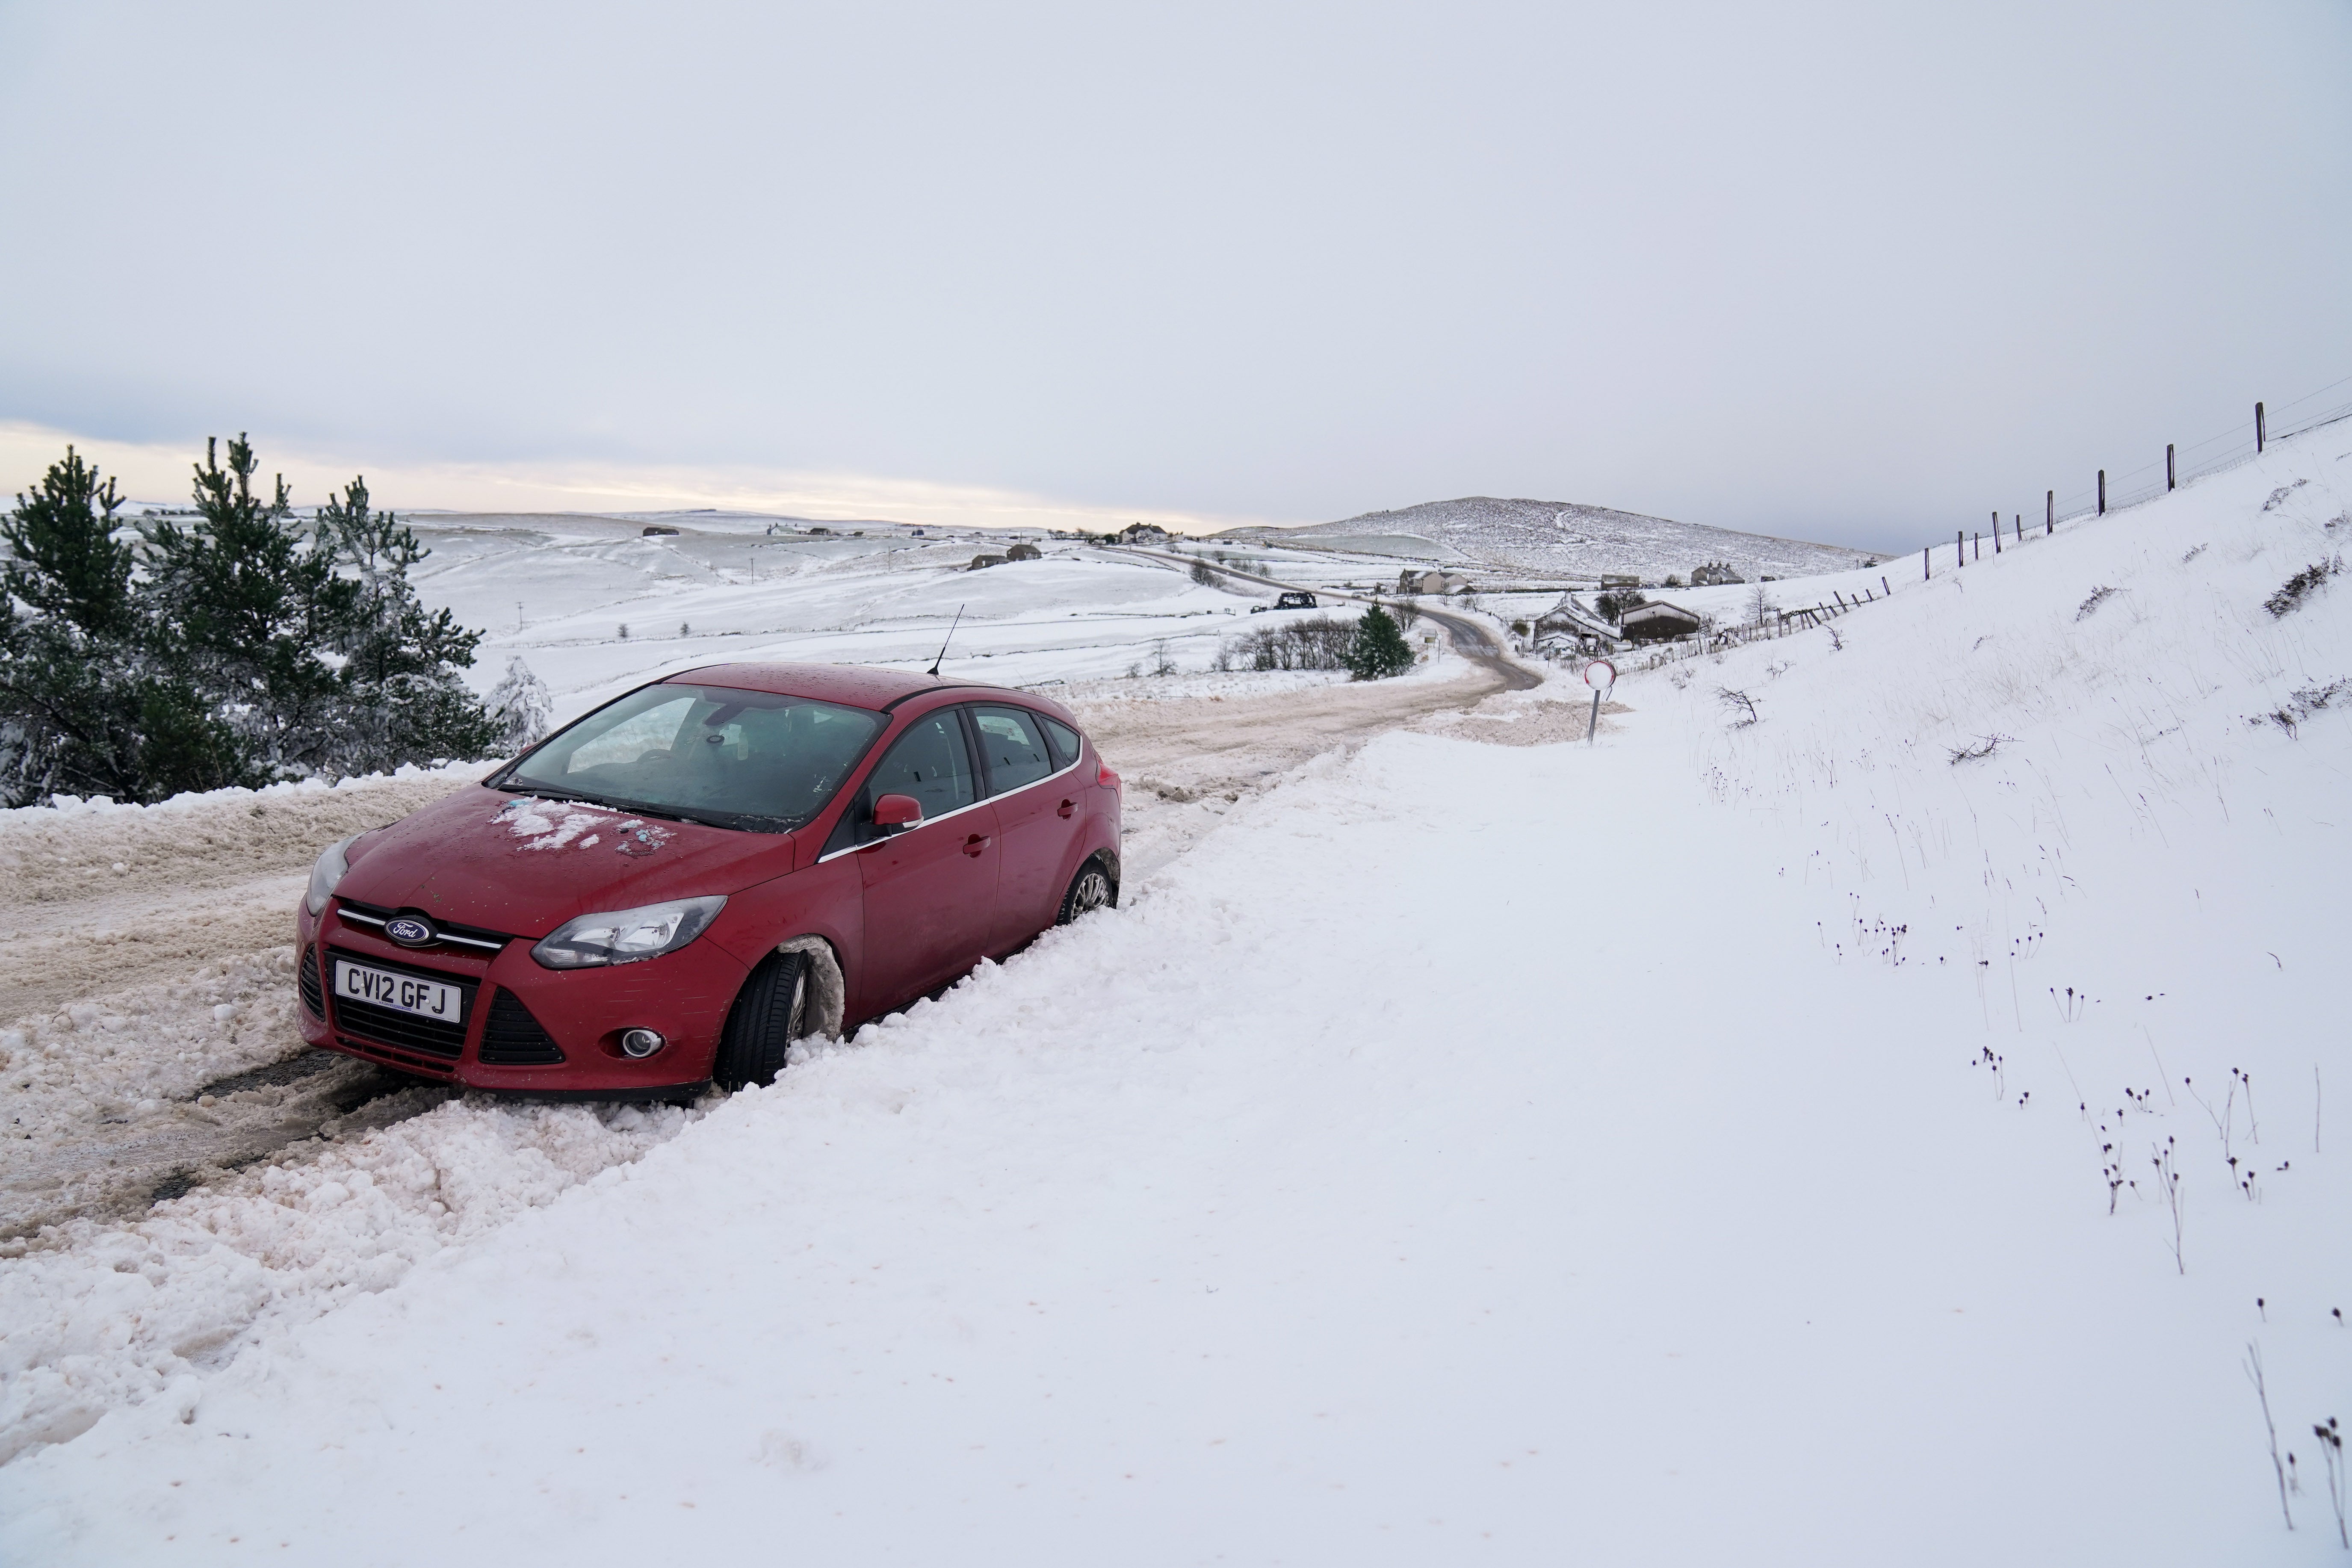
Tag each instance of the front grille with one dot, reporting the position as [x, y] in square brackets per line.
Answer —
[313, 997]
[472, 939]
[511, 1038]
[437, 1037]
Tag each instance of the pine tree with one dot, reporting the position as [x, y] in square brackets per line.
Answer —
[247, 610]
[85, 707]
[521, 706]
[1380, 650]
[400, 696]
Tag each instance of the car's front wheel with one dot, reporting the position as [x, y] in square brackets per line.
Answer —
[770, 1015]
[1090, 890]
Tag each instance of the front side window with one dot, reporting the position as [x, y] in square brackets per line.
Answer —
[929, 763]
[1014, 746]
[707, 754]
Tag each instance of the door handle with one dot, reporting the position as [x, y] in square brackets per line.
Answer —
[974, 845]
[1067, 808]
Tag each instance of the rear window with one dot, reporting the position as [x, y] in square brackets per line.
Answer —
[707, 754]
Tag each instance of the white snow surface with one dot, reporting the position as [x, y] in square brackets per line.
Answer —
[1690, 1148]
[1568, 538]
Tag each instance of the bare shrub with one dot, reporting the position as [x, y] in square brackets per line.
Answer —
[2099, 595]
[1983, 746]
[2303, 704]
[1316, 642]
[2293, 592]
[1742, 706]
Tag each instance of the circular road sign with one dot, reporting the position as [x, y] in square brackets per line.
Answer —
[1601, 675]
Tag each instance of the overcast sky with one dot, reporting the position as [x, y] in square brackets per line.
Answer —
[1850, 273]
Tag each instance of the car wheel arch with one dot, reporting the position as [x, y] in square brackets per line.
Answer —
[828, 989]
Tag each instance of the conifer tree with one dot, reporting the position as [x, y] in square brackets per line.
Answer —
[248, 609]
[85, 708]
[1380, 650]
[401, 698]
[521, 706]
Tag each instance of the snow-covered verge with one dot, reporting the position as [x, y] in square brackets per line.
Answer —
[1527, 1153]
[103, 1315]
[59, 806]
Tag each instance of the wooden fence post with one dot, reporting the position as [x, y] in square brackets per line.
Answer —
[1996, 533]
[1960, 547]
[2261, 430]
[1881, 582]
[2102, 492]
[2049, 513]
[2169, 480]
[1927, 573]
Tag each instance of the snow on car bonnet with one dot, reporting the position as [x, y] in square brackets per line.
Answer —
[548, 824]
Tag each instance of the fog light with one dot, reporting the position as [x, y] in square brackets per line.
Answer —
[640, 1042]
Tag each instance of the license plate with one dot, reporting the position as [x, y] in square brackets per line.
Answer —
[401, 992]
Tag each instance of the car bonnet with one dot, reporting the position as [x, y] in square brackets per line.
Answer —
[525, 864]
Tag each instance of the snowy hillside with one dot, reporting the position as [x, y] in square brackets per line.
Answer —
[1563, 539]
[595, 605]
[1891, 1131]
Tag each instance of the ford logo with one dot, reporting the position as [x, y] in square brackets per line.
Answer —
[411, 930]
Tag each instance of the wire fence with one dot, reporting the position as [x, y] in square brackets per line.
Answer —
[2233, 447]
[2215, 455]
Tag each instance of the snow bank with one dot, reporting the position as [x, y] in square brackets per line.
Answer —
[69, 805]
[101, 1316]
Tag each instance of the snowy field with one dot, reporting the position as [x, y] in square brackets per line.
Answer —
[558, 592]
[1730, 1143]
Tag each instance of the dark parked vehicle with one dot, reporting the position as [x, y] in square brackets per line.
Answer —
[669, 890]
[1290, 600]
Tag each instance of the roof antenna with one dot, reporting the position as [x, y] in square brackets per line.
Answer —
[934, 671]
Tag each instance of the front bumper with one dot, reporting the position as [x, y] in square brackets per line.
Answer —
[525, 1029]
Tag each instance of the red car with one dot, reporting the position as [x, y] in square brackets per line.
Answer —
[668, 891]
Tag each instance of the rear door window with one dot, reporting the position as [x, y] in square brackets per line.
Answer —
[1013, 743]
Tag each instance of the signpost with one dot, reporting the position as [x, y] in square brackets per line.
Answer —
[1601, 676]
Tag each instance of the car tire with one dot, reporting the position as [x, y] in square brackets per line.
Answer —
[1092, 889]
[769, 1015]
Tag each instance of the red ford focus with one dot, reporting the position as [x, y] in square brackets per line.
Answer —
[668, 891]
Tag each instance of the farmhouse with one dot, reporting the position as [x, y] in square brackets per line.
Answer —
[1568, 627]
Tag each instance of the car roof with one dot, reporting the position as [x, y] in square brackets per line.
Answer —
[855, 686]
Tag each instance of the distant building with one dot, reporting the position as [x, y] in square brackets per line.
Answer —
[1143, 534]
[1024, 551]
[1658, 621]
[982, 562]
[1411, 582]
[1567, 629]
[1715, 575]
[653, 528]
[1618, 580]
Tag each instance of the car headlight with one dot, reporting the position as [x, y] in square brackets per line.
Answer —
[627, 936]
[327, 871]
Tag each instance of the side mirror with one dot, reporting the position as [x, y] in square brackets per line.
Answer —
[895, 813]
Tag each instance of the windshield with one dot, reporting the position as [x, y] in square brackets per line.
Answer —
[707, 754]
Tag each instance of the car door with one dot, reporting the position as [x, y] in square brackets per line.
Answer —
[1039, 816]
[931, 891]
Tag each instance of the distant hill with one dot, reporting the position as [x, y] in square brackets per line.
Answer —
[1561, 539]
